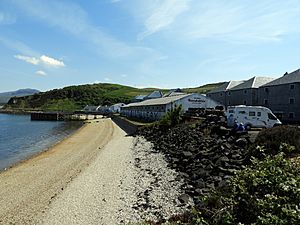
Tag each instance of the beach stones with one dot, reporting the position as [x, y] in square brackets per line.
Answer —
[205, 156]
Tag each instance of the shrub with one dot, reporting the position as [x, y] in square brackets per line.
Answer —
[268, 192]
[172, 118]
[275, 139]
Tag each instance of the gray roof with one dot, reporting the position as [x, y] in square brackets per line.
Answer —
[254, 82]
[288, 78]
[155, 94]
[226, 86]
[140, 97]
[158, 101]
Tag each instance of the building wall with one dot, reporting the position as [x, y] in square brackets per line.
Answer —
[247, 96]
[218, 97]
[283, 100]
[150, 113]
[156, 112]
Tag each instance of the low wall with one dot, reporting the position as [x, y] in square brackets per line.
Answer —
[125, 125]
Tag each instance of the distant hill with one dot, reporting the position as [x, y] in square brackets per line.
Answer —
[203, 89]
[76, 97]
[5, 96]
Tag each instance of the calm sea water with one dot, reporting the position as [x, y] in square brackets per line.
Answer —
[21, 138]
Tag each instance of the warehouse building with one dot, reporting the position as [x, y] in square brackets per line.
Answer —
[246, 93]
[282, 96]
[155, 109]
[220, 93]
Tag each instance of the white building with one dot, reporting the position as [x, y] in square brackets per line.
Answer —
[116, 108]
[91, 108]
[154, 109]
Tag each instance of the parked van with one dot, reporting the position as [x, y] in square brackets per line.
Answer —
[251, 116]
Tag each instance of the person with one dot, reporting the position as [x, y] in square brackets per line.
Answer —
[241, 128]
[235, 125]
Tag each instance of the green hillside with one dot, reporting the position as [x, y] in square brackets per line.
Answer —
[203, 89]
[76, 97]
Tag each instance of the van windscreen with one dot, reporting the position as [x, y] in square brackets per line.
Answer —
[271, 116]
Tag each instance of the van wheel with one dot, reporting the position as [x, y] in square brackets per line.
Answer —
[248, 126]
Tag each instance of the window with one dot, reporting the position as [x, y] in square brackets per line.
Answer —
[245, 102]
[266, 89]
[258, 113]
[245, 91]
[228, 93]
[291, 115]
[292, 100]
[221, 94]
[242, 112]
[251, 113]
[292, 86]
[271, 116]
[266, 102]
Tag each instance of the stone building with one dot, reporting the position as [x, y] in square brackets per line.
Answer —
[282, 96]
[220, 93]
[246, 93]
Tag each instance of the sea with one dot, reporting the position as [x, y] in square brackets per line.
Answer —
[21, 138]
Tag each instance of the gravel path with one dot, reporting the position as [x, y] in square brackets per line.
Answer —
[127, 183]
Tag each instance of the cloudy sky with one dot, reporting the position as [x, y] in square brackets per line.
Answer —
[158, 43]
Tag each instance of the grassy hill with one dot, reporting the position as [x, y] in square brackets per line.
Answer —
[203, 89]
[76, 97]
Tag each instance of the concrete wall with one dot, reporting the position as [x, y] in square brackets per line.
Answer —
[282, 100]
[125, 125]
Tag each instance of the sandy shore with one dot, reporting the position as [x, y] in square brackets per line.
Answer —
[27, 189]
[97, 176]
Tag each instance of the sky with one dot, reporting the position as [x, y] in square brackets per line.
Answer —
[145, 43]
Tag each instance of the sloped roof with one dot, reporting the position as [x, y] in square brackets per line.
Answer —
[140, 97]
[173, 92]
[155, 94]
[288, 78]
[158, 101]
[226, 86]
[254, 82]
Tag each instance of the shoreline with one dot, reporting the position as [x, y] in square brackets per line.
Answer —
[27, 189]
[42, 151]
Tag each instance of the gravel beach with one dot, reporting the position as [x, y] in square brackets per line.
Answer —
[97, 176]
[27, 189]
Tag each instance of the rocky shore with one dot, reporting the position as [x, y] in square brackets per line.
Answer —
[205, 156]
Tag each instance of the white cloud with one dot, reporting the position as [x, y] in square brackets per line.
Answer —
[107, 79]
[51, 61]
[45, 60]
[70, 17]
[17, 45]
[41, 73]
[238, 21]
[163, 14]
[28, 59]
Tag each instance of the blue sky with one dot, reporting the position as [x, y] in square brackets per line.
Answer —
[142, 43]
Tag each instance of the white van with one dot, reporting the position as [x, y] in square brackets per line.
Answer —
[251, 116]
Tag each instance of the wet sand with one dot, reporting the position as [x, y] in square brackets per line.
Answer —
[27, 189]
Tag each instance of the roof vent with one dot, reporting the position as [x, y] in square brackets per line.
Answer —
[286, 73]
